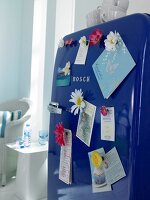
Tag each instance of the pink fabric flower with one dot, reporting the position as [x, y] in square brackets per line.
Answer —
[69, 42]
[59, 133]
[104, 111]
[95, 37]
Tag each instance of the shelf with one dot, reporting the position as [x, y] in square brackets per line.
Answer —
[35, 147]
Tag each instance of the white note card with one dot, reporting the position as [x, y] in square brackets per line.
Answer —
[108, 125]
[115, 171]
[65, 167]
[81, 55]
[85, 123]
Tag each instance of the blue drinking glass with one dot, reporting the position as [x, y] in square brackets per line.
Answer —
[43, 137]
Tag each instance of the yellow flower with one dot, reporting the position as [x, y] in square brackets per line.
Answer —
[83, 41]
[96, 159]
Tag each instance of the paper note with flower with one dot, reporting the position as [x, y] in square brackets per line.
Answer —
[113, 65]
[82, 51]
[85, 123]
[106, 169]
[65, 166]
[63, 75]
[98, 165]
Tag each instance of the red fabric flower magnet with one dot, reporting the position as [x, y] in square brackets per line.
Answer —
[104, 110]
[59, 133]
[68, 42]
[95, 37]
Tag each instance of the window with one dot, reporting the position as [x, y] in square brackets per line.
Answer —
[37, 65]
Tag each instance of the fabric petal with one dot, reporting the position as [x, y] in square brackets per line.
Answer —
[73, 94]
[72, 100]
[76, 111]
[78, 93]
[73, 108]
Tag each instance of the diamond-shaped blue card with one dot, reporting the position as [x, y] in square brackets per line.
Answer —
[112, 67]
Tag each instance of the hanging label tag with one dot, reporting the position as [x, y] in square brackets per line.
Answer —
[81, 55]
[108, 125]
[65, 168]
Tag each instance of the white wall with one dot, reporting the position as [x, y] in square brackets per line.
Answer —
[10, 43]
[26, 47]
[65, 14]
[139, 6]
[15, 48]
[82, 7]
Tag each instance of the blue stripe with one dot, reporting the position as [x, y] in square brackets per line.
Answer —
[19, 114]
[3, 124]
[12, 116]
[0, 131]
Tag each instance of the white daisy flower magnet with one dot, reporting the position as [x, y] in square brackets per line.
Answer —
[77, 99]
[112, 41]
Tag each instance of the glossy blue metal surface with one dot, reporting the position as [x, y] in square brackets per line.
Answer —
[132, 108]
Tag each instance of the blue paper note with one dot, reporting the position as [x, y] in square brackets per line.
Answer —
[112, 67]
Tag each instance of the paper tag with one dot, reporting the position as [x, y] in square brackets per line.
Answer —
[85, 123]
[115, 171]
[108, 125]
[81, 55]
[65, 168]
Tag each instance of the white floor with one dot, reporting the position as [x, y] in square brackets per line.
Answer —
[8, 192]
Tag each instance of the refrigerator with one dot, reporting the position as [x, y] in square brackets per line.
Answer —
[131, 101]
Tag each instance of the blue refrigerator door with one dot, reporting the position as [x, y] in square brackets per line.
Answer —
[131, 101]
